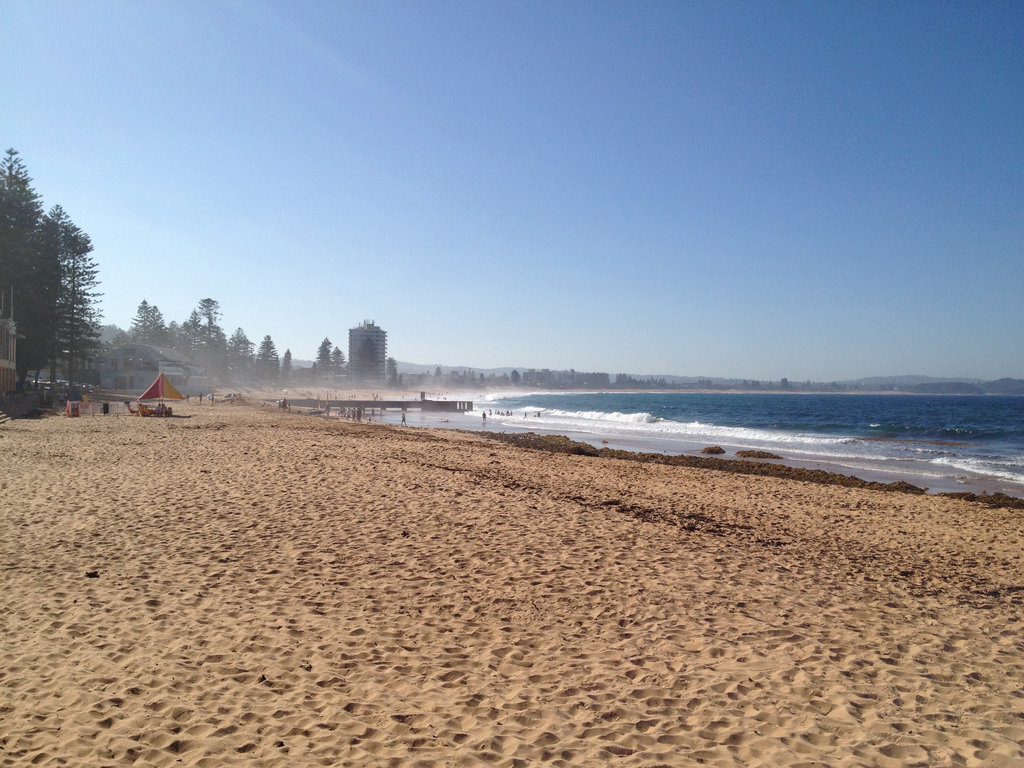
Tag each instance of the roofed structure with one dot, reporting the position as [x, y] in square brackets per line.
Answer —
[134, 366]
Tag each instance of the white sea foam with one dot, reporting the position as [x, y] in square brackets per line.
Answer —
[984, 466]
[494, 397]
[643, 424]
[600, 416]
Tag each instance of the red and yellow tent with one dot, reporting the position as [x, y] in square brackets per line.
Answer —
[161, 389]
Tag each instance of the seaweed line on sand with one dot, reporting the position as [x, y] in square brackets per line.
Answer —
[562, 444]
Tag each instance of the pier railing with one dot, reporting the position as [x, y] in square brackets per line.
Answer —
[447, 406]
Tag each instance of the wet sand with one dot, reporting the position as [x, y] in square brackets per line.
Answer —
[245, 586]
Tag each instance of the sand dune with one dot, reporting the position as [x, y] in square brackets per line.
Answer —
[249, 587]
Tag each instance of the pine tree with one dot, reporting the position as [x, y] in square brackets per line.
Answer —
[31, 275]
[337, 361]
[286, 366]
[21, 210]
[78, 327]
[189, 334]
[323, 356]
[240, 354]
[267, 362]
[148, 325]
[211, 342]
[174, 335]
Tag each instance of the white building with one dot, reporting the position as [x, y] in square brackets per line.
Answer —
[135, 366]
[367, 353]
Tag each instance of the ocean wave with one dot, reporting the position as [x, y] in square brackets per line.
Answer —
[644, 424]
[615, 417]
[986, 467]
[745, 435]
[495, 397]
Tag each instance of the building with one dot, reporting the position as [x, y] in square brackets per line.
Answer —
[367, 353]
[135, 366]
[8, 356]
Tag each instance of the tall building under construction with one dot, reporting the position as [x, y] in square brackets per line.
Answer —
[367, 353]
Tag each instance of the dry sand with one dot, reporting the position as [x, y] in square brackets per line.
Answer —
[249, 587]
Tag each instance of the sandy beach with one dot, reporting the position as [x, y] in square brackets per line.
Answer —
[244, 586]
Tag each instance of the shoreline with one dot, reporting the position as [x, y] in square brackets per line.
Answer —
[878, 471]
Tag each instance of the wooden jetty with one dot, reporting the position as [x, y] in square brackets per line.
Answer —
[423, 404]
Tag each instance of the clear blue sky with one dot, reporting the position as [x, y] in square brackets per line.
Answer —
[815, 190]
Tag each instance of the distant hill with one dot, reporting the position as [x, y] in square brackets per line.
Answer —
[930, 385]
[1004, 387]
[902, 382]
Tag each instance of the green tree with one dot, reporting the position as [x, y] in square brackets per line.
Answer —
[240, 353]
[211, 341]
[286, 366]
[39, 320]
[337, 361]
[323, 356]
[148, 325]
[211, 333]
[392, 371]
[21, 210]
[78, 316]
[28, 271]
[174, 335]
[267, 362]
[189, 334]
[111, 337]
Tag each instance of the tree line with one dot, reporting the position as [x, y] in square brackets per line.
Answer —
[48, 278]
[202, 339]
[233, 359]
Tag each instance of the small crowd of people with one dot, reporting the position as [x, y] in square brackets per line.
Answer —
[491, 412]
[353, 414]
[154, 410]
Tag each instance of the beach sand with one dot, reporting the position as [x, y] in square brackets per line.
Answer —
[245, 586]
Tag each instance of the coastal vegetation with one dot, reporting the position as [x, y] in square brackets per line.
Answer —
[48, 276]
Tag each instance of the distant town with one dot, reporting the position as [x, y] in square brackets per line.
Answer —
[462, 377]
[198, 357]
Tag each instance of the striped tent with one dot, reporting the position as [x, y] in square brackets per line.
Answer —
[161, 389]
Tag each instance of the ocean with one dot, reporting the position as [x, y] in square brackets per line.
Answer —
[943, 443]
